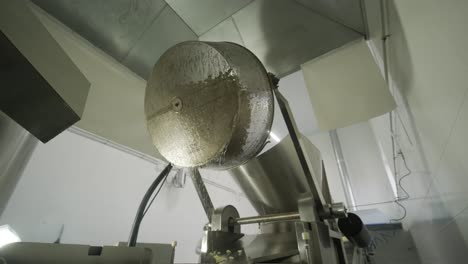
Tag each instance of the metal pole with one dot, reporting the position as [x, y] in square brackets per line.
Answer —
[343, 170]
[267, 218]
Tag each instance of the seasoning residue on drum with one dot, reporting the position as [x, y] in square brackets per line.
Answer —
[201, 111]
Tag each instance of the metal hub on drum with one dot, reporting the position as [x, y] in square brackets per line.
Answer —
[208, 104]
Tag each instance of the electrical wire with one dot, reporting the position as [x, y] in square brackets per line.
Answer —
[398, 182]
[404, 212]
[398, 200]
[407, 196]
[143, 205]
[408, 173]
[154, 196]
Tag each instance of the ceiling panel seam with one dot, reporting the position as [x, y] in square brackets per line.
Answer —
[216, 24]
[231, 16]
[331, 19]
[453, 220]
[143, 33]
[182, 19]
[238, 31]
[364, 18]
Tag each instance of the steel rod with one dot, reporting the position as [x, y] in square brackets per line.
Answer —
[267, 218]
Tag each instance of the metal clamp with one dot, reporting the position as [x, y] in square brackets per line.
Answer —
[335, 211]
[222, 219]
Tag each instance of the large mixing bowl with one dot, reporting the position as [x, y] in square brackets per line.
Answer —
[209, 104]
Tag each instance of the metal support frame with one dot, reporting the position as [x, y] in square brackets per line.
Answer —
[323, 203]
[292, 128]
[202, 192]
[310, 226]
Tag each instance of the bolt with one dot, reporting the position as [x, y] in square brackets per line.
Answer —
[274, 80]
[176, 104]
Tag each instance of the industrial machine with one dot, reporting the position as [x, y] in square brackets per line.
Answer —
[224, 85]
[210, 104]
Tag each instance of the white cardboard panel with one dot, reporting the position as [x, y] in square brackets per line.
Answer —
[346, 87]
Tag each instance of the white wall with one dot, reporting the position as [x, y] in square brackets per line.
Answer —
[368, 174]
[428, 66]
[94, 190]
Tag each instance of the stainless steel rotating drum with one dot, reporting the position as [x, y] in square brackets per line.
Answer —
[209, 104]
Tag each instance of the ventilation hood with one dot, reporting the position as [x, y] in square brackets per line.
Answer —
[283, 34]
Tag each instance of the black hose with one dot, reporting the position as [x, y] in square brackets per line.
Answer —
[354, 229]
[141, 209]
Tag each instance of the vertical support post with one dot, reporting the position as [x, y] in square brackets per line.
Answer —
[343, 170]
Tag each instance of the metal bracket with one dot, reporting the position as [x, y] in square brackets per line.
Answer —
[178, 179]
[335, 211]
[303, 235]
[223, 218]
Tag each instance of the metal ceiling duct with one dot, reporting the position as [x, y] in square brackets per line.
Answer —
[282, 34]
